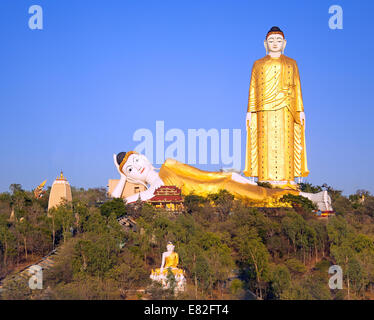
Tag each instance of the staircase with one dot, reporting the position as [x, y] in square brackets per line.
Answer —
[48, 261]
[24, 275]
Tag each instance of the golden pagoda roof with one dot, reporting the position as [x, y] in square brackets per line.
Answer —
[61, 177]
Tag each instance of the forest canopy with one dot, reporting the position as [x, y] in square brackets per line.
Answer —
[227, 249]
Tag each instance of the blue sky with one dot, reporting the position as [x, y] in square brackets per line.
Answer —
[74, 93]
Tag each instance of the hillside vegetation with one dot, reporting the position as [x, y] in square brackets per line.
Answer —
[227, 249]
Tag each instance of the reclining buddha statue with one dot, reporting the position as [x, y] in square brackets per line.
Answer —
[170, 260]
[136, 168]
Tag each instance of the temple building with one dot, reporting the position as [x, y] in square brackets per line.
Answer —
[169, 198]
[129, 189]
[60, 191]
[323, 202]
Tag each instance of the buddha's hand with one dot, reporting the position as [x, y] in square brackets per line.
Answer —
[302, 118]
[123, 176]
[248, 119]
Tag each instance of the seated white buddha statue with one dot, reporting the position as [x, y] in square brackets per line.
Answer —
[170, 260]
[136, 168]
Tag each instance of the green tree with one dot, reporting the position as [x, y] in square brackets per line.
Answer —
[280, 280]
[116, 206]
[15, 187]
[253, 253]
[24, 229]
[7, 240]
[299, 202]
[308, 187]
[65, 218]
[223, 200]
[193, 202]
[129, 271]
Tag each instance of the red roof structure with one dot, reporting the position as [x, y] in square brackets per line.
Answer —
[167, 194]
[168, 198]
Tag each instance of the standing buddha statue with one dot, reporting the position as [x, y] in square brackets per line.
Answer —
[275, 121]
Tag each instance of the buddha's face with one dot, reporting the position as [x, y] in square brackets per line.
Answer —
[137, 167]
[275, 43]
[170, 248]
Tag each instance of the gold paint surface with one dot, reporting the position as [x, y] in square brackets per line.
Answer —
[200, 182]
[172, 260]
[275, 149]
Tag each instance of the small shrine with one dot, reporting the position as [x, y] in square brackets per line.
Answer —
[323, 202]
[168, 197]
[169, 264]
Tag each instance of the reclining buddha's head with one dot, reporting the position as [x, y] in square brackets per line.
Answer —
[134, 166]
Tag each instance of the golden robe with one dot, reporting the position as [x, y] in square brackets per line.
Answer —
[171, 261]
[193, 180]
[275, 148]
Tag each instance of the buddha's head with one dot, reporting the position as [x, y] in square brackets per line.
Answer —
[170, 247]
[275, 41]
[134, 166]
